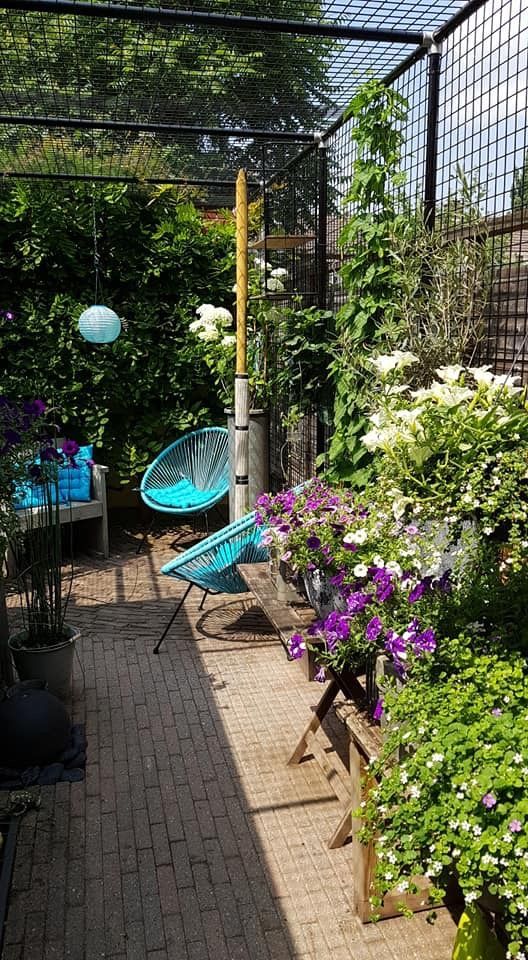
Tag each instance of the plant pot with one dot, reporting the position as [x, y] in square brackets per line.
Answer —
[258, 457]
[322, 595]
[53, 665]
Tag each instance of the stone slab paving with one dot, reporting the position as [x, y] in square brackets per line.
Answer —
[190, 838]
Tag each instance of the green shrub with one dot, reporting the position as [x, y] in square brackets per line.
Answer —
[158, 261]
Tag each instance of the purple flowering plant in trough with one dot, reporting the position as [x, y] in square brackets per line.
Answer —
[384, 572]
[21, 427]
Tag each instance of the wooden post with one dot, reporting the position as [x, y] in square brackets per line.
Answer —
[241, 375]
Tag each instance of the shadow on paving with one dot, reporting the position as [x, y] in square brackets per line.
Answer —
[190, 839]
[154, 855]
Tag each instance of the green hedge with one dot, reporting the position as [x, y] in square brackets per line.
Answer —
[159, 260]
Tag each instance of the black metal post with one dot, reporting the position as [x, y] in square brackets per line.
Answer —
[322, 223]
[110, 178]
[431, 147]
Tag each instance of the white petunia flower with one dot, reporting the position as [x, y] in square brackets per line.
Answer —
[356, 536]
[451, 373]
[397, 360]
[360, 570]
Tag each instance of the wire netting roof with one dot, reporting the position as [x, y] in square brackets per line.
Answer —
[107, 95]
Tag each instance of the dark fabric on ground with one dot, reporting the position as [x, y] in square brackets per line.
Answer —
[69, 766]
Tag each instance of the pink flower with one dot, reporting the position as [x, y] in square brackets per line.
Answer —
[489, 800]
[515, 826]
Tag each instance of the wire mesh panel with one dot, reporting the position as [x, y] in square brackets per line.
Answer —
[483, 151]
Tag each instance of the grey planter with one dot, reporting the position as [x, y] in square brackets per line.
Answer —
[53, 665]
[258, 457]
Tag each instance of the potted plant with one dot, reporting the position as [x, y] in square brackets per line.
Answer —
[44, 647]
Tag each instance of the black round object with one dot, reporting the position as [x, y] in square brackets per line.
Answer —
[34, 727]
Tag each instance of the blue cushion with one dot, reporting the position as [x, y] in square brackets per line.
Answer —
[182, 495]
[74, 484]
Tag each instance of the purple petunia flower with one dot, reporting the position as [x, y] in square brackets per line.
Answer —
[50, 453]
[70, 448]
[424, 642]
[373, 629]
[489, 801]
[34, 408]
[417, 592]
[320, 676]
[515, 826]
[296, 646]
[337, 580]
[12, 437]
[378, 709]
[358, 601]
[395, 645]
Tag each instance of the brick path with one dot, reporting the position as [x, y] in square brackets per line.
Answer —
[190, 838]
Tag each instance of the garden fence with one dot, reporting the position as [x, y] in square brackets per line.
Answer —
[468, 112]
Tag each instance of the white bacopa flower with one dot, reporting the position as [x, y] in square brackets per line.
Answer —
[471, 896]
[279, 272]
[465, 825]
[402, 886]
[404, 776]
[437, 757]
[451, 373]
[414, 792]
[360, 570]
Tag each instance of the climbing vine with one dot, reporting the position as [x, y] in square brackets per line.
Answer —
[371, 274]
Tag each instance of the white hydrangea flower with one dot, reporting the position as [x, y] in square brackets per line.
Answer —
[228, 340]
[206, 310]
[279, 272]
[223, 316]
[209, 332]
[274, 285]
[196, 325]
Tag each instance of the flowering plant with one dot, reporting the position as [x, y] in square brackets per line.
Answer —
[459, 446]
[390, 577]
[20, 425]
[457, 796]
[44, 595]
[216, 339]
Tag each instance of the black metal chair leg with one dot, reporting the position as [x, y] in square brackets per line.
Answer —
[173, 618]
[204, 598]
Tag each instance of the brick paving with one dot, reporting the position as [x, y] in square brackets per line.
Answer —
[190, 838]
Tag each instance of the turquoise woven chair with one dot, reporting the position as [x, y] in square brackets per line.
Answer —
[212, 563]
[190, 476]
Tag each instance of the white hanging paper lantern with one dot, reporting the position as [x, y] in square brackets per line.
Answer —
[99, 324]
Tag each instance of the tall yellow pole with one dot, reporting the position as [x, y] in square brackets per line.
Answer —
[241, 375]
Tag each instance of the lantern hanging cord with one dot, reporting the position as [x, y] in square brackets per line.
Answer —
[95, 250]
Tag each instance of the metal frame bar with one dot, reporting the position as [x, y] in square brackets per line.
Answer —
[431, 145]
[84, 123]
[110, 178]
[168, 17]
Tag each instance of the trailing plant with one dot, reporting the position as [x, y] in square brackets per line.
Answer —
[451, 791]
[371, 275]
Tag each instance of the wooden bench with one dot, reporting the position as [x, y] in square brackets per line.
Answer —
[94, 509]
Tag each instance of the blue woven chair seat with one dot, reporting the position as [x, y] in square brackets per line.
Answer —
[190, 475]
[184, 496]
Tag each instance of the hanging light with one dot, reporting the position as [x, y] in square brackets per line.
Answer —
[98, 324]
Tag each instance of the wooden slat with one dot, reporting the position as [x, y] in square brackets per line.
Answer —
[287, 617]
[282, 241]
